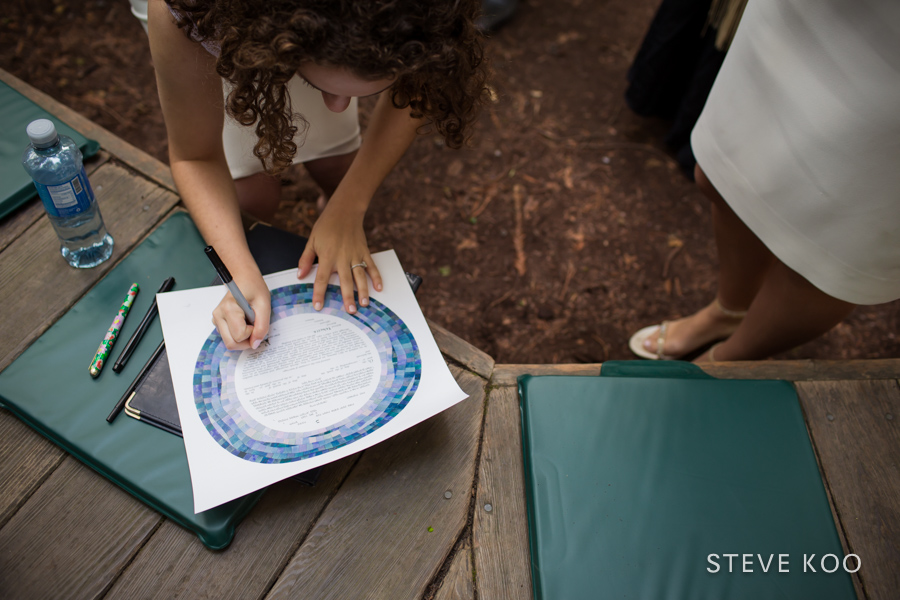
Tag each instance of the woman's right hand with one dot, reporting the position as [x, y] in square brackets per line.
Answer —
[229, 319]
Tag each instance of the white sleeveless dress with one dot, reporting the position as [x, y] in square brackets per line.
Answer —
[327, 133]
[801, 136]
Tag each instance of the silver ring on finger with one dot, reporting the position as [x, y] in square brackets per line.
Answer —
[361, 263]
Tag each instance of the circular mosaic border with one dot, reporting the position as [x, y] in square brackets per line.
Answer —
[235, 430]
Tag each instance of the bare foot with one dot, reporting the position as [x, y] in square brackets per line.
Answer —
[705, 326]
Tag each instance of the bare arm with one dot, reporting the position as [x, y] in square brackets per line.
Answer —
[190, 94]
[338, 237]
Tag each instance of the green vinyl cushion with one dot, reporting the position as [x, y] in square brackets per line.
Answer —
[634, 478]
[17, 112]
[70, 408]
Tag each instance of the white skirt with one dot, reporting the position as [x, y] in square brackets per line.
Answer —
[801, 137]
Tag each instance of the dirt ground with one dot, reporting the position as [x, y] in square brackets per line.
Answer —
[563, 228]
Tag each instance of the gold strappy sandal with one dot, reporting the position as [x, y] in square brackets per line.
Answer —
[636, 343]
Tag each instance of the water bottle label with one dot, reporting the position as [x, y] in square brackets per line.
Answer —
[69, 198]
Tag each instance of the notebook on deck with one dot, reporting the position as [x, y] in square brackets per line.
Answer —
[18, 111]
[640, 482]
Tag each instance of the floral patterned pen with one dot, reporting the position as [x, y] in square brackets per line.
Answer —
[113, 333]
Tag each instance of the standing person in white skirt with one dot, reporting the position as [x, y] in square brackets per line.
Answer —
[798, 148]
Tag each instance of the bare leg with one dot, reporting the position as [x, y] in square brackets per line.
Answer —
[328, 173]
[259, 195]
[743, 258]
[788, 311]
[743, 263]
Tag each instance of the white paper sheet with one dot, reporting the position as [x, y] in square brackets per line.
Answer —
[327, 385]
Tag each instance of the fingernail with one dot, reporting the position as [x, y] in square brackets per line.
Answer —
[317, 306]
[256, 344]
[378, 287]
[364, 301]
[351, 308]
[646, 344]
[298, 273]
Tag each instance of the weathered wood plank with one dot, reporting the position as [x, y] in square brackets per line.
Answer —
[373, 539]
[135, 158]
[507, 374]
[16, 223]
[26, 459]
[459, 583]
[130, 206]
[72, 537]
[500, 535]
[788, 370]
[857, 584]
[175, 564]
[462, 351]
[806, 370]
[854, 427]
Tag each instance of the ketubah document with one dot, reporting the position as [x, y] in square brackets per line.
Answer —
[327, 383]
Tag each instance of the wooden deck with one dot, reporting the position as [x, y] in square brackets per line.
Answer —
[407, 518]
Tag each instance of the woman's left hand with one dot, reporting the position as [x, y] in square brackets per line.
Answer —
[338, 239]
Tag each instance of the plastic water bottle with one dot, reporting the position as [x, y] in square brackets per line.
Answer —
[55, 164]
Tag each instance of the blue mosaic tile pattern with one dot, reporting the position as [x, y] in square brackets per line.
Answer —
[235, 430]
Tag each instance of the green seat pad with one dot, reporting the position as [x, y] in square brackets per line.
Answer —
[70, 408]
[17, 112]
[635, 478]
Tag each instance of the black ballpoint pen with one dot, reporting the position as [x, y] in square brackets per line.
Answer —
[226, 278]
[142, 328]
[137, 380]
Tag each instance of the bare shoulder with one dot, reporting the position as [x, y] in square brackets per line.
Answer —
[169, 43]
[160, 20]
[190, 90]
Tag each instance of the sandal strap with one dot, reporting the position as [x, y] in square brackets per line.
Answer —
[735, 314]
[661, 340]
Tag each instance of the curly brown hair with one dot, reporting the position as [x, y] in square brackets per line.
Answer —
[431, 47]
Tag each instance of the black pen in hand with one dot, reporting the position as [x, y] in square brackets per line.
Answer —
[226, 278]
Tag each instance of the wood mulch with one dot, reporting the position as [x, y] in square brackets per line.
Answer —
[562, 229]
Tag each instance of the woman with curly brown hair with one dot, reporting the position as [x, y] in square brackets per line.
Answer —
[292, 70]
